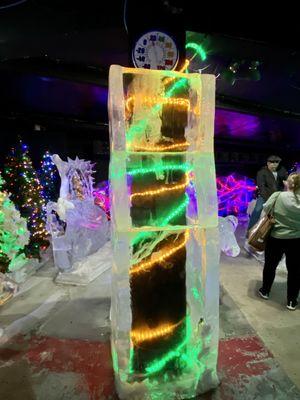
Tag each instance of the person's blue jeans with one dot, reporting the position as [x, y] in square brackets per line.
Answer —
[254, 217]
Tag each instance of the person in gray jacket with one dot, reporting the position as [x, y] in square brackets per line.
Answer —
[284, 240]
[269, 180]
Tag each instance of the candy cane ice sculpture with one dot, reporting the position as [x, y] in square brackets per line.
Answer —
[165, 288]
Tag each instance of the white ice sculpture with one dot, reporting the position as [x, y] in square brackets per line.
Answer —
[62, 167]
[228, 243]
[76, 180]
[165, 288]
[78, 227]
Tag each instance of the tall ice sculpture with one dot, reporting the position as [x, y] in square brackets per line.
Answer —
[165, 285]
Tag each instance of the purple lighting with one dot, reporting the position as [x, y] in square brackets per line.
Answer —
[236, 124]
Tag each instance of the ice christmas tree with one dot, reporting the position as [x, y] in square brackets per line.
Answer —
[48, 175]
[27, 194]
[14, 235]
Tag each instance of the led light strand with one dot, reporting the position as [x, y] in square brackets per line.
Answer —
[176, 211]
[167, 252]
[162, 190]
[155, 100]
[139, 128]
[160, 148]
[157, 365]
[198, 48]
[139, 336]
[160, 168]
[185, 66]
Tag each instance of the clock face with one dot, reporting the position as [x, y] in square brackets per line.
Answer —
[155, 50]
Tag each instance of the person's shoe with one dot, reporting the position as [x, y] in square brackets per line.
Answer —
[263, 294]
[259, 256]
[292, 305]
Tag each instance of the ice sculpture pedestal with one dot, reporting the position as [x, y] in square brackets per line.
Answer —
[165, 287]
[88, 269]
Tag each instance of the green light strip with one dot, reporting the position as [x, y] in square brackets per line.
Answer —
[177, 85]
[131, 355]
[198, 48]
[158, 365]
[176, 211]
[160, 168]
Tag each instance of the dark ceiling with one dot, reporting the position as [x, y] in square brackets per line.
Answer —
[78, 41]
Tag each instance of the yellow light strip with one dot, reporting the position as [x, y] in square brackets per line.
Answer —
[142, 335]
[144, 266]
[173, 101]
[162, 190]
[185, 66]
[162, 147]
[150, 101]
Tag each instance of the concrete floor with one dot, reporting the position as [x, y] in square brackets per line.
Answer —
[278, 327]
[56, 339]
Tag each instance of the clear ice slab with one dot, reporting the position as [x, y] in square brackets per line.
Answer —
[165, 284]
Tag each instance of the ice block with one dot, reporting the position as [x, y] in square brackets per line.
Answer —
[165, 284]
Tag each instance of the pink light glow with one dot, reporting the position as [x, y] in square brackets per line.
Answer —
[234, 194]
[101, 196]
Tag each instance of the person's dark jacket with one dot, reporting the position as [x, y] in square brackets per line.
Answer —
[267, 184]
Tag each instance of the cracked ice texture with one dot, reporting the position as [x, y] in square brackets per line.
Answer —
[164, 233]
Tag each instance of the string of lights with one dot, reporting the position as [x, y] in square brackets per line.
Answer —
[26, 193]
[142, 335]
[139, 128]
[149, 101]
[48, 176]
[163, 190]
[162, 148]
[234, 194]
[159, 257]
[160, 168]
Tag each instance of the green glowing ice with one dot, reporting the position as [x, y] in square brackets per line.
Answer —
[174, 213]
[158, 365]
[160, 168]
[115, 361]
[196, 294]
[198, 48]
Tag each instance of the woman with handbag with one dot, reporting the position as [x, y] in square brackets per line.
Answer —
[284, 239]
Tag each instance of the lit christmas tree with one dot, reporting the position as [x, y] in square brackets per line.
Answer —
[48, 175]
[14, 235]
[27, 194]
